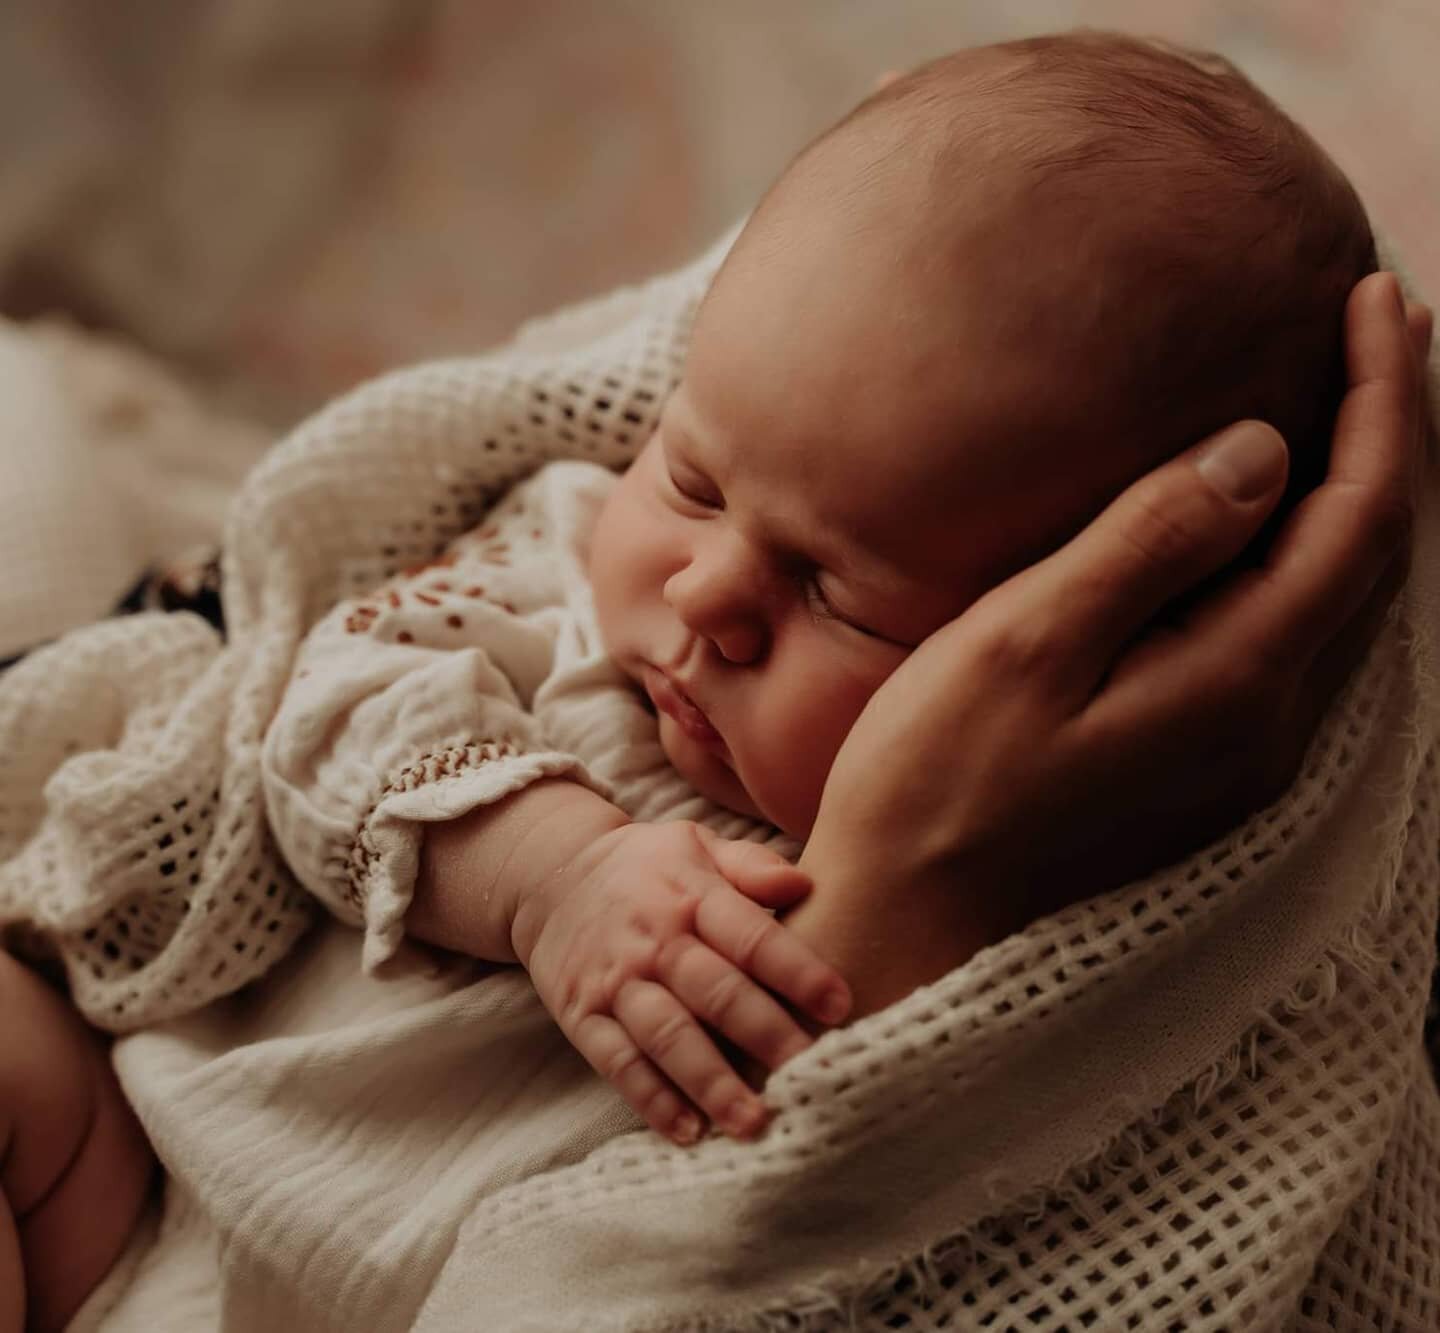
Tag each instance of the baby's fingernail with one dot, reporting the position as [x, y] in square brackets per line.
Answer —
[687, 1129]
[743, 1118]
[833, 1006]
[1245, 461]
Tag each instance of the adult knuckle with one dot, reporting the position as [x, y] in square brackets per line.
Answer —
[1161, 533]
[1013, 649]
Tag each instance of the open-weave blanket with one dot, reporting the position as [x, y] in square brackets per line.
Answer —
[1200, 1102]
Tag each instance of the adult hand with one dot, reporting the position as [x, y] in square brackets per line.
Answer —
[1057, 739]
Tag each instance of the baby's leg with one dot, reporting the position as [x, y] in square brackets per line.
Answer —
[75, 1168]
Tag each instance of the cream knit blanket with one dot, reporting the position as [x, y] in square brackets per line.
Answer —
[1198, 1102]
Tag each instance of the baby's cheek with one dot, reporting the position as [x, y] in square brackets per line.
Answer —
[801, 746]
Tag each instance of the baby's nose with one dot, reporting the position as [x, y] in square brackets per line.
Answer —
[723, 603]
[741, 643]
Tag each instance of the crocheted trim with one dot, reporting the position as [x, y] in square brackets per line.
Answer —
[437, 766]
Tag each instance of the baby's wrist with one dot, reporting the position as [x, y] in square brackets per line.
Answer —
[555, 851]
[479, 870]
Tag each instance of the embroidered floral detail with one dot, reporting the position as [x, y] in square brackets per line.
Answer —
[363, 614]
[361, 618]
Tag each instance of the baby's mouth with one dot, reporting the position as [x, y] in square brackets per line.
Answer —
[668, 698]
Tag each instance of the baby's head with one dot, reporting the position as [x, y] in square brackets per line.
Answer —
[959, 324]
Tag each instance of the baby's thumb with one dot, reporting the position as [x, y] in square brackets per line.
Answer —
[759, 873]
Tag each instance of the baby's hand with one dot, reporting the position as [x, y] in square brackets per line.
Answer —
[655, 929]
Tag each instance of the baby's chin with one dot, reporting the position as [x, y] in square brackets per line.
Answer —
[706, 771]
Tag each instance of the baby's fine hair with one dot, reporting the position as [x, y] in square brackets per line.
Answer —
[1222, 242]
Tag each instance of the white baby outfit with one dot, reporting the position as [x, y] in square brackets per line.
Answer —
[452, 686]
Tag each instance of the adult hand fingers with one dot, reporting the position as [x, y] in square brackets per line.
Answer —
[1341, 538]
[1347, 650]
[611, 1053]
[1269, 648]
[1162, 536]
[670, 1036]
[777, 958]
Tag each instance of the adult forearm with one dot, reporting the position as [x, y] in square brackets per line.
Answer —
[887, 929]
[476, 871]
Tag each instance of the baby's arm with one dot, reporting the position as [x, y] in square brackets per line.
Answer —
[405, 755]
[632, 934]
[411, 707]
[476, 870]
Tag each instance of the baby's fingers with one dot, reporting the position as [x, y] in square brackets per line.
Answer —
[777, 958]
[762, 875]
[610, 1052]
[668, 1033]
[732, 1004]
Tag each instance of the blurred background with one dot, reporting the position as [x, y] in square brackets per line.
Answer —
[279, 199]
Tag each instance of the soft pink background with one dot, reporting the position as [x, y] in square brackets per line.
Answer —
[484, 160]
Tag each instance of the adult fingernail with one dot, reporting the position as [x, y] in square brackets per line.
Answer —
[1245, 462]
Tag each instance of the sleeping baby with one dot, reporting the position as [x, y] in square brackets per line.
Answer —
[962, 321]
[591, 737]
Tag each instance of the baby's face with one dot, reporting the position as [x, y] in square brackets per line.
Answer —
[846, 465]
